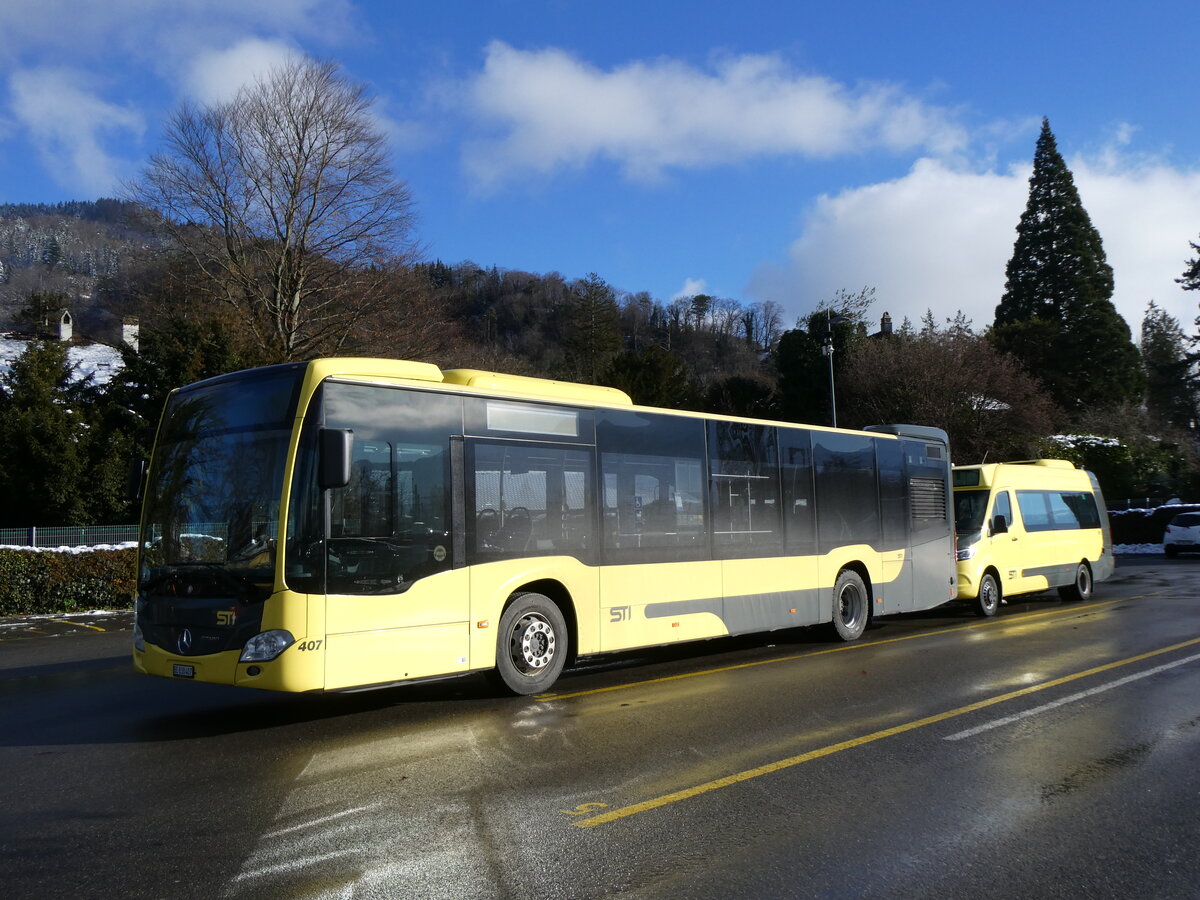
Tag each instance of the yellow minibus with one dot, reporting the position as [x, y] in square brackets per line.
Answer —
[1028, 526]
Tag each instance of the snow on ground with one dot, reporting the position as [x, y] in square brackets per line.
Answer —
[98, 360]
[1138, 549]
[83, 548]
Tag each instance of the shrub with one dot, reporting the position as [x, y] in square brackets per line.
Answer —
[40, 581]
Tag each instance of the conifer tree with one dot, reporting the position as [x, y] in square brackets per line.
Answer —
[1191, 275]
[1057, 315]
[594, 330]
[64, 451]
[1170, 385]
[43, 459]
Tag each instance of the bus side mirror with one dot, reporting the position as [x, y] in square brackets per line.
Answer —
[136, 480]
[336, 452]
[999, 525]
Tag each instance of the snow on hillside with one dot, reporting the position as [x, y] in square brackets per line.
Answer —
[98, 360]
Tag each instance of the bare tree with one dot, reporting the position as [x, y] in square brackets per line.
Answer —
[954, 379]
[285, 198]
[762, 324]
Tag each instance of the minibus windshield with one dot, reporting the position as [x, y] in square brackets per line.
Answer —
[969, 507]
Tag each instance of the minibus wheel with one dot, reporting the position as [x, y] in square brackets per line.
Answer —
[851, 606]
[988, 599]
[531, 646]
[1081, 589]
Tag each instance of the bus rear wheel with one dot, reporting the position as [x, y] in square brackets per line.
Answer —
[1081, 588]
[987, 601]
[851, 606]
[531, 647]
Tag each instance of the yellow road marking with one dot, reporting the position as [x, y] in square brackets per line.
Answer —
[81, 624]
[857, 645]
[738, 777]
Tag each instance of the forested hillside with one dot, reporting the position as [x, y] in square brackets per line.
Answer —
[79, 253]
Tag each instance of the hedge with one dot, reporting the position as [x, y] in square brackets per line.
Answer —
[1145, 526]
[44, 581]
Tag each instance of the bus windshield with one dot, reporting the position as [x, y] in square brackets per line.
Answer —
[212, 506]
[969, 507]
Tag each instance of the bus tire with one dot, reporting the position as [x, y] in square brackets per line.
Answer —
[1081, 588]
[851, 606]
[531, 646]
[987, 601]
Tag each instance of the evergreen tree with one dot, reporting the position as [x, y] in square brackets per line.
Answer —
[1170, 385]
[802, 377]
[593, 328]
[52, 254]
[652, 377]
[43, 449]
[1056, 315]
[1191, 275]
[42, 310]
[799, 357]
[741, 395]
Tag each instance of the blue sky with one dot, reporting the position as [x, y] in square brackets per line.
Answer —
[759, 150]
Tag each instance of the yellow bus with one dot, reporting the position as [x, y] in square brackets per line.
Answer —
[1029, 526]
[343, 524]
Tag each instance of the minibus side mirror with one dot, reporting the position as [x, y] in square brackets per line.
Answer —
[999, 525]
[336, 453]
[136, 479]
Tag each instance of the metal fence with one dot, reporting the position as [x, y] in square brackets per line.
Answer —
[68, 536]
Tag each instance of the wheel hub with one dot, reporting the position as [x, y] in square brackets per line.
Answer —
[849, 603]
[533, 643]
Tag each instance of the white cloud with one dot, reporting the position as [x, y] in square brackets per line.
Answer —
[939, 238]
[163, 32]
[554, 111]
[215, 76]
[61, 112]
[1146, 216]
[691, 287]
[68, 124]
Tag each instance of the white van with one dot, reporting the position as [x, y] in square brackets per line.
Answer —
[1029, 526]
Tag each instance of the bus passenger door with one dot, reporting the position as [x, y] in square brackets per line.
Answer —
[1008, 543]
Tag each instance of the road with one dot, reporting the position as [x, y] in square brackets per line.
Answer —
[1050, 752]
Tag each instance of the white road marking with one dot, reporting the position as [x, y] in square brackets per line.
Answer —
[1099, 689]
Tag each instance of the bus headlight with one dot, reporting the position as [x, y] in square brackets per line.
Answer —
[966, 552]
[266, 646]
[139, 640]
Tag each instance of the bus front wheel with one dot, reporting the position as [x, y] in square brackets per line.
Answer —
[531, 646]
[851, 606]
[988, 599]
[1081, 587]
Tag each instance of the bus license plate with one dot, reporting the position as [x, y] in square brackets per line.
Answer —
[183, 671]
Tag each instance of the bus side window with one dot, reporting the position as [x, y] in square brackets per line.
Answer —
[1002, 509]
[800, 519]
[744, 486]
[653, 487]
[1035, 513]
[847, 490]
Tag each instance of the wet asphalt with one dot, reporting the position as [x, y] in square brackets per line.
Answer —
[1049, 752]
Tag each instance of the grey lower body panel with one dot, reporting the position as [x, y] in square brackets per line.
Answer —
[750, 612]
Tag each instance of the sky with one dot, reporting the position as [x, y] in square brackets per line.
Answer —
[763, 151]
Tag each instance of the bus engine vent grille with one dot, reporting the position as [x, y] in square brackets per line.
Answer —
[928, 498]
